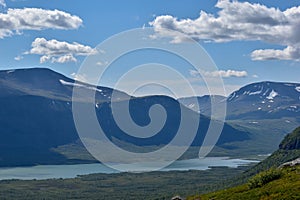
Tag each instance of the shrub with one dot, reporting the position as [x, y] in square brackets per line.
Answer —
[264, 178]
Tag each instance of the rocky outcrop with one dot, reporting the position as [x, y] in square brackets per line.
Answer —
[291, 163]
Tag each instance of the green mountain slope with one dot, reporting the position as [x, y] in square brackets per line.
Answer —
[267, 180]
[291, 141]
[289, 149]
[286, 187]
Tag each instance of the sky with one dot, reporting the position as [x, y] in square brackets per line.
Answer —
[249, 41]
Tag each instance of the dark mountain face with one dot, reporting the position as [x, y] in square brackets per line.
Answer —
[39, 82]
[139, 108]
[291, 141]
[36, 116]
[30, 126]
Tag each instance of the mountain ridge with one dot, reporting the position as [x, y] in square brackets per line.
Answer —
[36, 117]
[260, 100]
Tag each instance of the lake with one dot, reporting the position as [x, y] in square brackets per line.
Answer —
[70, 171]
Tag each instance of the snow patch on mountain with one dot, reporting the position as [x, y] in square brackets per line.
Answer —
[232, 96]
[288, 84]
[192, 105]
[79, 85]
[254, 122]
[255, 93]
[70, 84]
[259, 90]
[10, 71]
[272, 95]
[265, 93]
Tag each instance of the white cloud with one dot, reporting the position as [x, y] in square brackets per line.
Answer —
[18, 58]
[2, 3]
[239, 21]
[100, 63]
[194, 73]
[289, 53]
[14, 21]
[220, 73]
[65, 59]
[45, 58]
[59, 59]
[58, 51]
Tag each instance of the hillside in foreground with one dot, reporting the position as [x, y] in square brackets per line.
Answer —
[273, 178]
[289, 149]
[287, 186]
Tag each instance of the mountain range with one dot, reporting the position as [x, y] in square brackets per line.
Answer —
[36, 117]
[263, 100]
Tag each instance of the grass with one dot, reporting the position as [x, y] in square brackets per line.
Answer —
[284, 187]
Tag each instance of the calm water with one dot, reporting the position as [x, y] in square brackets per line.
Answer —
[71, 171]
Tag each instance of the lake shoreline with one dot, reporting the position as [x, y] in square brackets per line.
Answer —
[44, 172]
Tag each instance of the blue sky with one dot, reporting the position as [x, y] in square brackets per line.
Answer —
[263, 45]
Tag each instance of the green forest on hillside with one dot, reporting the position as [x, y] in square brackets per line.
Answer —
[284, 187]
[268, 179]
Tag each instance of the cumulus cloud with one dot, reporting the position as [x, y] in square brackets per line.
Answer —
[289, 53]
[14, 21]
[58, 51]
[65, 59]
[239, 21]
[2, 3]
[219, 73]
